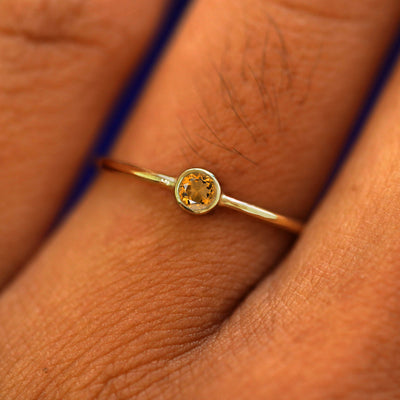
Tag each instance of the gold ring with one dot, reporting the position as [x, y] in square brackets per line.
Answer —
[198, 192]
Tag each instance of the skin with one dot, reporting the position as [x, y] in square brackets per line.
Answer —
[131, 297]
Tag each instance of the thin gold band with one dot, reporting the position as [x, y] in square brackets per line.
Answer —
[281, 221]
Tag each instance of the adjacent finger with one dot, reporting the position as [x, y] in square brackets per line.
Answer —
[61, 66]
[331, 313]
[133, 284]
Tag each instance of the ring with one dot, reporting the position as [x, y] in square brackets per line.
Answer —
[198, 192]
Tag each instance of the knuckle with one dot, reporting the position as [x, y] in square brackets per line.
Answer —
[98, 22]
[39, 21]
[38, 36]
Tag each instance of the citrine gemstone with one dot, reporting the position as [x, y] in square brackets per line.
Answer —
[197, 191]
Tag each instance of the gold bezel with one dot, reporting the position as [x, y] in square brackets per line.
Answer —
[212, 205]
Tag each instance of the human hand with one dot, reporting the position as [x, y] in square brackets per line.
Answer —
[131, 297]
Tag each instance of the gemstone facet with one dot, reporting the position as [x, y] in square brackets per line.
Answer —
[197, 191]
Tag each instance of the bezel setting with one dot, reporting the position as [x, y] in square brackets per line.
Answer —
[207, 207]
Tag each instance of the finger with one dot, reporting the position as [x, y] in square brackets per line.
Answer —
[154, 281]
[57, 83]
[329, 318]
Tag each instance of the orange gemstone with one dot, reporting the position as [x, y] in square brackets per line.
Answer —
[197, 191]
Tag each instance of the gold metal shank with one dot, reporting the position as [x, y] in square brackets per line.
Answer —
[125, 168]
[281, 221]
